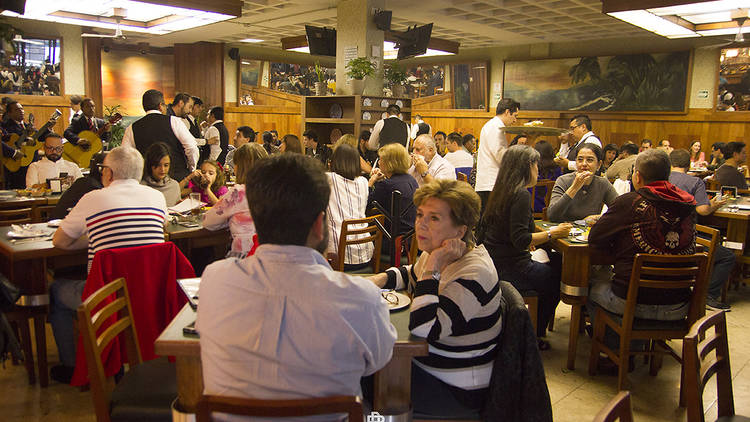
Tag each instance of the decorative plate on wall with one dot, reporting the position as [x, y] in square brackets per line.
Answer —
[367, 102]
[384, 103]
[335, 111]
[399, 103]
[366, 115]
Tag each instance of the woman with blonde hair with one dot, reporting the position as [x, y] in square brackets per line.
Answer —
[232, 209]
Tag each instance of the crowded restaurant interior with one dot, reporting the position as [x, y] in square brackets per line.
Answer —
[496, 210]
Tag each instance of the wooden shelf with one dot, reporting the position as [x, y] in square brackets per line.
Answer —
[378, 108]
[330, 120]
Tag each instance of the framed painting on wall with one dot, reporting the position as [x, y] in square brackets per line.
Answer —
[298, 79]
[249, 74]
[638, 82]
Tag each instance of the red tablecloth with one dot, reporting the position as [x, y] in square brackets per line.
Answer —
[151, 274]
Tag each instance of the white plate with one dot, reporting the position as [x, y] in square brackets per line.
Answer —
[580, 239]
[575, 231]
[397, 300]
[54, 223]
[366, 115]
[399, 103]
[367, 102]
[384, 103]
[27, 234]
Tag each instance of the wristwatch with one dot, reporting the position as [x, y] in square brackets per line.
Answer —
[549, 234]
[434, 274]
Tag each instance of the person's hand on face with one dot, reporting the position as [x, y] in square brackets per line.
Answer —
[582, 178]
[375, 176]
[449, 251]
[420, 165]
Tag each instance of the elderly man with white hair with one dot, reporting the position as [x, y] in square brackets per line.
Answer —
[427, 164]
[122, 214]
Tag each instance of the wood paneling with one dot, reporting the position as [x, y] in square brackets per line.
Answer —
[433, 102]
[92, 71]
[272, 97]
[199, 71]
[285, 120]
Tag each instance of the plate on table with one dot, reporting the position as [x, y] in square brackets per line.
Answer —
[26, 230]
[395, 300]
[581, 238]
[54, 223]
[575, 231]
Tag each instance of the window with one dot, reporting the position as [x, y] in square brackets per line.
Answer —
[34, 69]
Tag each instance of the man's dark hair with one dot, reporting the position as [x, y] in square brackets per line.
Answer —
[393, 109]
[647, 141]
[717, 145]
[87, 100]
[96, 160]
[51, 134]
[197, 101]
[507, 104]
[631, 149]
[217, 112]
[680, 158]
[731, 148]
[455, 137]
[180, 96]
[582, 119]
[661, 143]
[516, 139]
[468, 137]
[311, 134]
[267, 137]
[423, 129]
[274, 132]
[247, 132]
[290, 185]
[365, 135]
[74, 99]
[152, 99]
[440, 132]
[653, 165]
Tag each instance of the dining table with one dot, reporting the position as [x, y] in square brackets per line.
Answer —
[735, 214]
[391, 384]
[10, 199]
[191, 236]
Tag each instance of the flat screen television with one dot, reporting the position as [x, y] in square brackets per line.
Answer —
[18, 6]
[321, 41]
[414, 41]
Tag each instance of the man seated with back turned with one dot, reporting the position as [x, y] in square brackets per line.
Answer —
[281, 324]
[122, 214]
[723, 257]
[51, 166]
[656, 218]
[728, 174]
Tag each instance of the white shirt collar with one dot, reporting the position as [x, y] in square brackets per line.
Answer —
[153, 112]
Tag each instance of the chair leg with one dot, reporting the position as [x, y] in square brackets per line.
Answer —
[40, 333]
[551, 325]
[28, 353]
[596, 339]
[622, 365]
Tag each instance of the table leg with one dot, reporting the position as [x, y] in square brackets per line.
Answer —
[40, 331]
[575, 323]
[189, 382]
[392, 387]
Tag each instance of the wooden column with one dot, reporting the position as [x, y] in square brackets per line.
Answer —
[92, 71]
[199, 71]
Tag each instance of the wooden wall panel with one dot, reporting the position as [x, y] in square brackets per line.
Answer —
[43, 107]
[272, 97]
[433, 102]
[92, 71]
[199, 71]
[285, 120]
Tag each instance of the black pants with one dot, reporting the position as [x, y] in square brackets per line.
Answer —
[16, 179]
[544, 279]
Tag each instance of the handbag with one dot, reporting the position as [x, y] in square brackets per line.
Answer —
[9, 294]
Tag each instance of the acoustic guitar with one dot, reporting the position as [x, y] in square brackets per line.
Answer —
[82, 155]
[26, 146]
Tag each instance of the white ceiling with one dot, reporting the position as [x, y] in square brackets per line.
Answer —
[473, 23]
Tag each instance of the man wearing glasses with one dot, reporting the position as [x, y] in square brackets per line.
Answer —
[51, 166]
[580, 131]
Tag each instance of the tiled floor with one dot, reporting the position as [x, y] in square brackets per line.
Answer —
[576, 397]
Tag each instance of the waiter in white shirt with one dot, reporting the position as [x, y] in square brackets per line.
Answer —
[580, 130]
[492, 145]
[51, 166]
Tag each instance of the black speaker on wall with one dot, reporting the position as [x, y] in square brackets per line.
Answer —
[234, 53]
[18, 6]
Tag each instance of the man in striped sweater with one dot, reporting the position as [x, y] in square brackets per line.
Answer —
[122, 214]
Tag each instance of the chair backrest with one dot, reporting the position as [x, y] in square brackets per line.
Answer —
[357, 236]
[15, 216]
[208, 404]
[548, 185]
[91, 316]
[669, 272]
[618, 409]
[700, 364]
[708, 243]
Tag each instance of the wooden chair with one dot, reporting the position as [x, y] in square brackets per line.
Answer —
[709, 244]
[16, 216]
[618, 409]
[548, 185]
[531, 300]
[357, 236]
[42, 213]
[136, 396]
[208, 404]
[700, 364]
[655, 272]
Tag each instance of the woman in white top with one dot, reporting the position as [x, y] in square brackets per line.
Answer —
[232, 209]
[348, 201]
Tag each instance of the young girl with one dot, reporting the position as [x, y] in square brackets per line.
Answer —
[156, 173]
[208, 181]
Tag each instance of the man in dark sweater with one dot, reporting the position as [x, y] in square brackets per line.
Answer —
[657, 218]
[728, 174]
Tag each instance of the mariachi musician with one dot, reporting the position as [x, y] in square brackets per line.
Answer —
[86, 121]
[12, 123]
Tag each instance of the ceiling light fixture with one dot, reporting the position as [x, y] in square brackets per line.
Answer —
[251, 40]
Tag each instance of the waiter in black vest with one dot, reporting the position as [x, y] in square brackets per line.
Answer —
[217, 135]
[156, 127]
[580, 131]
[389, 130]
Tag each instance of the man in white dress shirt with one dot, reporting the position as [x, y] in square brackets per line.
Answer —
[427, 164]
[281, 324]
[580, 130]
[456, 155]
[492, 145]
[51, 166]
[415, 127]
[389, 130]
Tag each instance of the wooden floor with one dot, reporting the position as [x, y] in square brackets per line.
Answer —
[575, 396]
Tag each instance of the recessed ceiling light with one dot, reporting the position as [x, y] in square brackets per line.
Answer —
[251, 40]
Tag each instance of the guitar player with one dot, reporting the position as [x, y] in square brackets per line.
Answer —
[86, 121]
[13, 124]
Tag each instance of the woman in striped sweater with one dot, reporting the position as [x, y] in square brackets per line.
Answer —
[456, 301]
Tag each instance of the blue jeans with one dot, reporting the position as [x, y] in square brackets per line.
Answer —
[722, 267]
[65, 297]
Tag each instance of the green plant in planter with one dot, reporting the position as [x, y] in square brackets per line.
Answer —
[118, 130]
[395, 74]
[360, 67]
[320, 73]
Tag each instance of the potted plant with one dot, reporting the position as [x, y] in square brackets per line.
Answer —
[396, 76]
[357, 70]
[118, 129]
[321, 87]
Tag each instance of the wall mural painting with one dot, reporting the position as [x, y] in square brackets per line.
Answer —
[640, 82]
[250, 75]
[126, 75]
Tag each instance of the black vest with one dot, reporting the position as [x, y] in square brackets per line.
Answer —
[153, 128]
[223, 141]
[394, 130]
